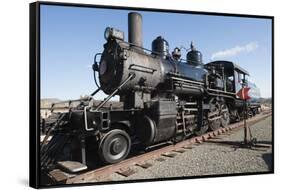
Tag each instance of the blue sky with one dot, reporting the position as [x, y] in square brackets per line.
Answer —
[70, 36]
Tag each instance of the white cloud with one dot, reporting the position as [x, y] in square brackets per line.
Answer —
[89, 66]
[252, 46]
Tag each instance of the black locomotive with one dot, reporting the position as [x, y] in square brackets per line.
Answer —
[165, 98]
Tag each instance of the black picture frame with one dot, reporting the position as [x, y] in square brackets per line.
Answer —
[34, 86]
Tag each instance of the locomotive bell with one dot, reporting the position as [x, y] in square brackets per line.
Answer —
[194, 57]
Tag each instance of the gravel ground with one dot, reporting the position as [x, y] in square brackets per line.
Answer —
[222, 155]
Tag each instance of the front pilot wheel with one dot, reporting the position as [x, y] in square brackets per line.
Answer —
[114, 146]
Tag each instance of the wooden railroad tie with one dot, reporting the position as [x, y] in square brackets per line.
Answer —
[59, 175]
[126, 172]
[198, 140]
[169, 154]
[160, 159]
[179, 150]
[187, 147]
[144, 165]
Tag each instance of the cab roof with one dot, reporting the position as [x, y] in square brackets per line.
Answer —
[229, 66]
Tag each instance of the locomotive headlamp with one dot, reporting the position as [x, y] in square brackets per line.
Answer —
[112, 33]
[107, 33]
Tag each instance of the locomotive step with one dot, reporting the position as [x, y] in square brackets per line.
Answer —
[72, 166]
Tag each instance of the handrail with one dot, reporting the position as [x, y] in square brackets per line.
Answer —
[130, 77]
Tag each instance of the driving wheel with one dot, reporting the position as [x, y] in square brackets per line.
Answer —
[203, 129]
[225, 117]
[214, 124]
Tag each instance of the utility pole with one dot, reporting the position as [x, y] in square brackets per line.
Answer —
[243, 94]
[245, 122]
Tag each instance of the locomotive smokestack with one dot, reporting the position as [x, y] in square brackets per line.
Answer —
[135, 29]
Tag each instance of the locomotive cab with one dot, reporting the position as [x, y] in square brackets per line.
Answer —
[233, 78]
[231, 75]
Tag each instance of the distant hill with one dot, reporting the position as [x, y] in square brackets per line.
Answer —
[265, 100]
[47, 102]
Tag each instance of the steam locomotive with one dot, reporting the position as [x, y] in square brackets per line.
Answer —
[165, 98]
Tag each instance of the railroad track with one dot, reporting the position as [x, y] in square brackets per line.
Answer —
[123, 167]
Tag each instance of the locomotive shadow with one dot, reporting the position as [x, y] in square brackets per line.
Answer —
[136, 150]
[267, 157]
[235, 145]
